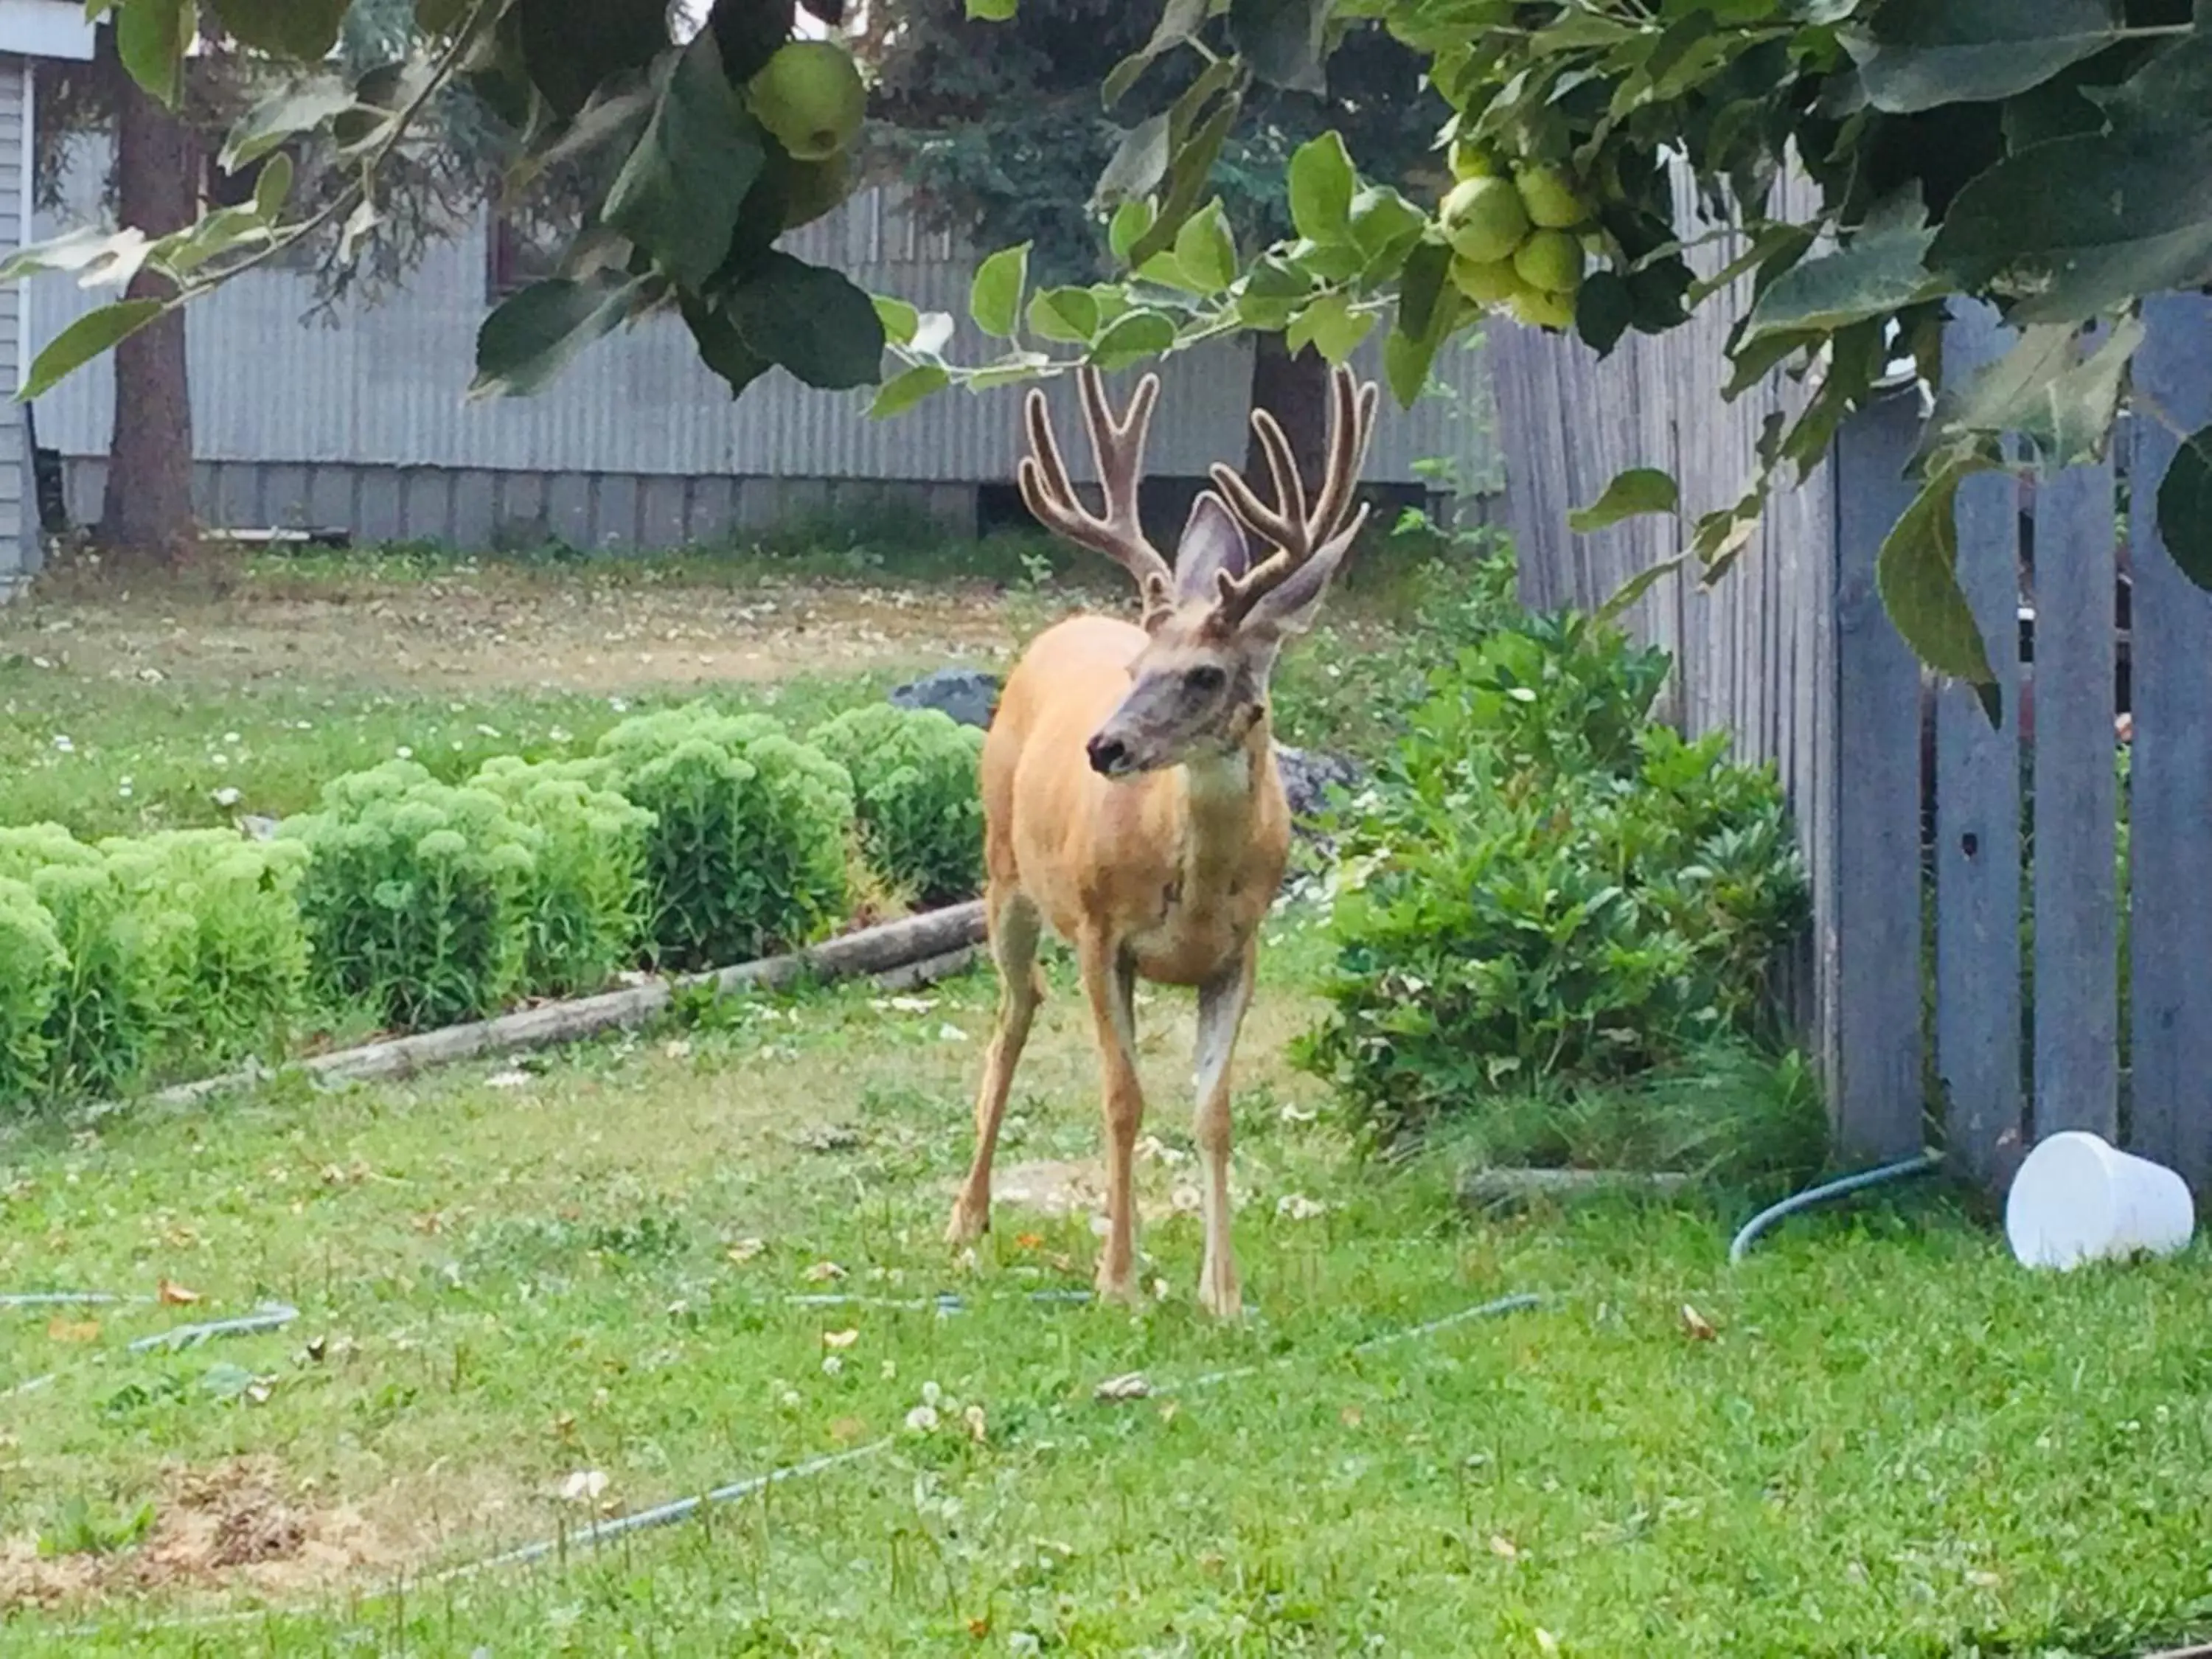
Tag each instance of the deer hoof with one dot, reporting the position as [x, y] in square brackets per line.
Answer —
[1219, 1295]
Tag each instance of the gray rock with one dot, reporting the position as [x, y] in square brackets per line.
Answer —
[1308, 775]
[969, 695]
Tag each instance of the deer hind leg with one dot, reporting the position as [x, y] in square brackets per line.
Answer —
[1110, 983]
[1014, 928]
[1221, 1006]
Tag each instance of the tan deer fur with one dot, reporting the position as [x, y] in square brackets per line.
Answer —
[1131, 798]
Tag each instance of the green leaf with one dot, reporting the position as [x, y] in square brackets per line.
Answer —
[1924, 53]
[678, 193]
[1637, 586]
[532, 336]
[2184, 508]
[1009, 370]
[1063, 314]
[1320, 182]
[812, 320]
[1206, 252]
[900, 320]
[722, 348]
[1188, 173]
[305, 29]
[1879, 273]
[2064, 407]
[1139, 161]
[1131, 221]
[1603, 311]
[1382, 222]
[2075, 227]
[993, 11]
[109, 257]
[302, 107]
[1132, 339]
[150, 37]
[1406, 357]
[437, 17]
[994, 298]
[84, 339]
[1282, 40]
[1640, 490]
[1331, 327]
[1421, 284]
[1916, 573]
[902, 391]
[570, 47]
[1180, 20]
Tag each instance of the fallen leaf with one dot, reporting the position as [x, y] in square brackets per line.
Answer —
[173, 1295]
[972, 1416]
[584, 1485]
[1503, 1547]
[1131, 1385]
[1351, 1417]
[1296, 1206]
[846, 1430]
[1028, 1241]
[979, 1628]
[1546, 1641]
[1697, 1324]
[840, 1338]
[822, 1272]
[1168, 1410]
[745, 1249]
[62, 1329]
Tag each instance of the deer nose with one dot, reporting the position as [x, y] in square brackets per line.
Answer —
[1107, 754]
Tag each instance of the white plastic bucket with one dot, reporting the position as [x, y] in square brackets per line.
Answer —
[2078, 1199]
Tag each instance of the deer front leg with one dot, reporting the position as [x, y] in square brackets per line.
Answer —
[1221, 1006]
[1111, 984]
[1014, 929]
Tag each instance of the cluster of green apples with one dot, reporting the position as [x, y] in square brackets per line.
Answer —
[811, 101]
[1518, 236]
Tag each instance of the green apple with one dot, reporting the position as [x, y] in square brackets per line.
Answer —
[810, 95]
[1484, 220]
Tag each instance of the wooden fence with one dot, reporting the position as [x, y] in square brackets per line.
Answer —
[2068, 982]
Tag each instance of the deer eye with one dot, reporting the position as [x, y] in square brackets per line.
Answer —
[1206, 678]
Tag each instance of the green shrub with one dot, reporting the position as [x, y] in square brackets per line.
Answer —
[413, 896]
[918, 793]
[222, 918]
[101, 1027]
[747, 853]
[33, 969]
[583, 907]
[1543, 886]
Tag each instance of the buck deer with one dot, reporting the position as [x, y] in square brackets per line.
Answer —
[1130, 794]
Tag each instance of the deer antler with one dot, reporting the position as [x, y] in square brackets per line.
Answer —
[1118, 445]
[1296, 533]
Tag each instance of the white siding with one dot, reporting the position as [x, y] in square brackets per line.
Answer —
[18, 539]
[382, 386]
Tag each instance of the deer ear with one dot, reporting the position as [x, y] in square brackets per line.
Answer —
[1213, 545]
[1290, 606]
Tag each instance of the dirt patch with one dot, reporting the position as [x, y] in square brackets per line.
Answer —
[1059, 1188]
[501, 631]
[236, 1524]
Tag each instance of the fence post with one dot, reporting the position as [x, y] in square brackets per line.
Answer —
[2170, 786]
[2077, 916]
[1978, 954]
[1875, 1087]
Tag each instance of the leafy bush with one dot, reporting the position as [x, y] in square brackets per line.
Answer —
[1543, 886]
[33, 968]
[918, 793]
[583, 905]
[414, 894]
[102, 1026]
[221, 920]
[747, 850]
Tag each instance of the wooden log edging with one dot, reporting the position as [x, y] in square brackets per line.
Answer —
[911, 951]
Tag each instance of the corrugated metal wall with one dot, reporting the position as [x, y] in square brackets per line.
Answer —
[18, 552]
[381, 388]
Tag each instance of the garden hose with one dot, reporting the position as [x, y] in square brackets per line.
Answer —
[1920, 1164]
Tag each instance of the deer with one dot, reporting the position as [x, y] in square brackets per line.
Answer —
[1131, 801]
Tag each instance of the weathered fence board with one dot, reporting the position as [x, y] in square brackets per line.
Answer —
[1876, 1096]
[2076, 894]
[1976, 831]
[2170, 785]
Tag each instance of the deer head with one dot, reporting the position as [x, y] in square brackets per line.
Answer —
[1216, 618]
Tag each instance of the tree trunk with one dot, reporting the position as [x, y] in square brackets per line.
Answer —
[147, 511]
[1294, 391]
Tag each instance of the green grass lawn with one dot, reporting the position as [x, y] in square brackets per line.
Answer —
[534, 1294]
[512, 1285]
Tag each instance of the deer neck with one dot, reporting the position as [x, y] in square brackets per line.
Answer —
[1223, 796]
